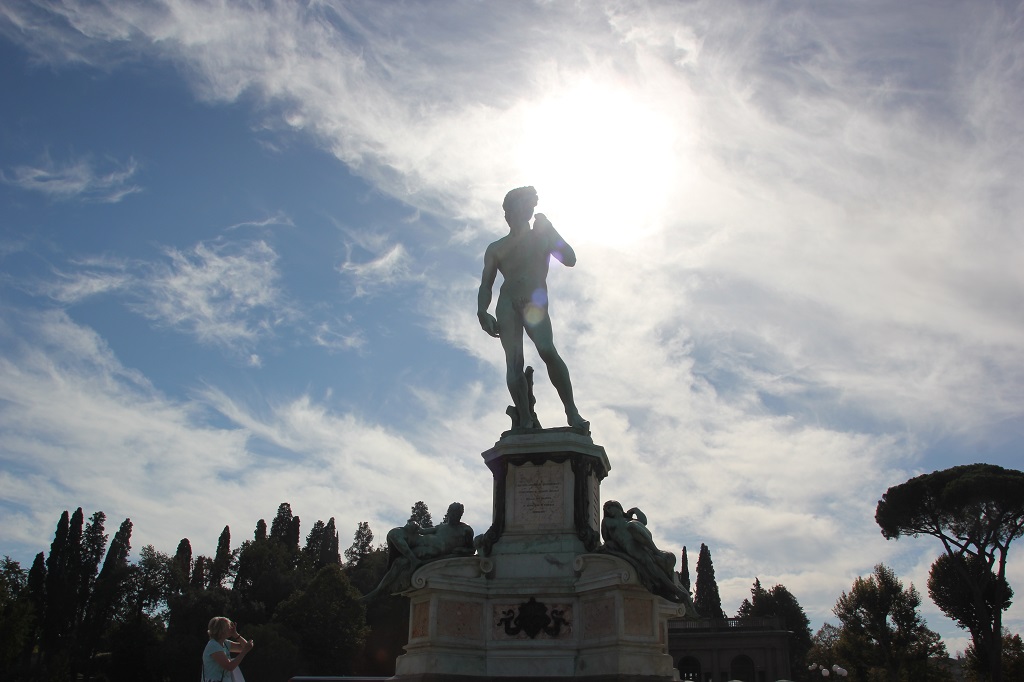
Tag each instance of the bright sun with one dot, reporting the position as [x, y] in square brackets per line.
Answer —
[602, 164]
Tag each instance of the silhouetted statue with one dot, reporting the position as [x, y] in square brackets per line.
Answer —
[410, 546]
[625, 534]
[522, 258]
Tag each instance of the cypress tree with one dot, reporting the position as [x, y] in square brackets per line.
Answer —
[321, 546]
[260, 534]
[57, 597]
[37, 585]
[222, 559]
[281, 526]
[292, 541]
[181, 566]
[94, 542]
[706, 600]
[314, 545]
[109, 586]
[110, 582]
[200, 571]
[329, 551]
[684, 571]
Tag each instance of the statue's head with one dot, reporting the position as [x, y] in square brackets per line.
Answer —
[613, 505]
[454, 514]
[519, 204]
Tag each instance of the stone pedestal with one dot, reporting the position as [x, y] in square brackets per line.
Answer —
[541, 604]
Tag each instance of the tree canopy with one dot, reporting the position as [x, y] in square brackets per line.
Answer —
[778, 602]
[69, 618]
[420, 515]
[882, 635]
[976, 511]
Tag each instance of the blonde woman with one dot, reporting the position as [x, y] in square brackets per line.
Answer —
[218, 666]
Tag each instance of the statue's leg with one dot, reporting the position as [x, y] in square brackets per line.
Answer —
[558, 372]
[511, 325]
[386, 582]
[399, 542]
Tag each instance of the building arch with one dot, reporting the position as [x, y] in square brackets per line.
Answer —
[689, 669]
[741, 668]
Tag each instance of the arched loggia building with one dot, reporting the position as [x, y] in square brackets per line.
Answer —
[749, 650]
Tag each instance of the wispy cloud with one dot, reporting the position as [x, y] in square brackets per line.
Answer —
[79, 179]
[224, 293]
[279, 218]
[383, 270]
[339, 335]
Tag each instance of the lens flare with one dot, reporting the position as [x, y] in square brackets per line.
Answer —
[533, 315]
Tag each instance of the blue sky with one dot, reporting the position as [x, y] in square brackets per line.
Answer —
[240, 245]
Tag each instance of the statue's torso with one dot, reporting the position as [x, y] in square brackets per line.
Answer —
[523, 261]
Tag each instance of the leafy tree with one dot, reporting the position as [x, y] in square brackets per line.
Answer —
[187, 618]
[388, 620]
[366, 573]
[976, 511]
[882, 635]
[152, 583]
[266, 575]
[421, 515]
[133, 648]
[778, 602]
[16, 617]
[327, 621]
[1013, 660]
[261, 531]
[221, 565]
[951, 591]
[684, 571]
[707, 600]
[362, 544]
[276, 656]
[825, 648]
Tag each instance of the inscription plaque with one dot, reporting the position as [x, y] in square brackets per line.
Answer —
[539, 495]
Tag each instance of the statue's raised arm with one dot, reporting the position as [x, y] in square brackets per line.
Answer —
[522, 257]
